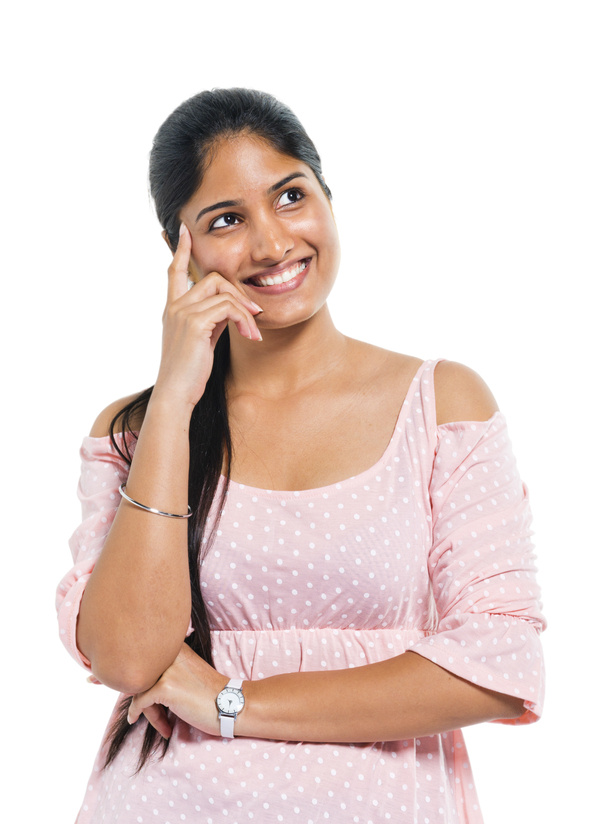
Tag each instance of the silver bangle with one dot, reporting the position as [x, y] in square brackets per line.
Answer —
[151, 508]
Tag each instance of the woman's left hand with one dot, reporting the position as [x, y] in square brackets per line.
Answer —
[188, 688]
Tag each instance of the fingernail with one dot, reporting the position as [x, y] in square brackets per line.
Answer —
[128, 719]
[182, 228]
[256, 306]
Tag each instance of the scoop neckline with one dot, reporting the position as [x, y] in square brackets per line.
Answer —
[336, 485]
[353, 479]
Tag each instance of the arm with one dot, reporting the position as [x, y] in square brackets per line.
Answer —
[136, 606]
[404, 697]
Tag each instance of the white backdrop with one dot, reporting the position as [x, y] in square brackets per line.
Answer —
[460, 140]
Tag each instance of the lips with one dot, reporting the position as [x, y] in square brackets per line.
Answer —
[280, 277]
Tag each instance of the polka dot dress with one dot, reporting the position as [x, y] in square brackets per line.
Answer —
[429, 551]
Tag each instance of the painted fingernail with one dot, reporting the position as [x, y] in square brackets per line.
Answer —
[182, 228]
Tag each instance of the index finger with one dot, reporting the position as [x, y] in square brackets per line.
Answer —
[178, 270]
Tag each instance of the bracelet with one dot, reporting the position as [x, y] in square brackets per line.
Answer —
[151, 508]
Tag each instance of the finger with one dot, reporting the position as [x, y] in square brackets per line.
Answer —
[221, 309]
[138, 704]
[178, 270]
[216, 284]
[157, 717]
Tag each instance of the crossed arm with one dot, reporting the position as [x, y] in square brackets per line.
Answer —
[404, 697]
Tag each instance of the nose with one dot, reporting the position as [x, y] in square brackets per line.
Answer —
[271, 240]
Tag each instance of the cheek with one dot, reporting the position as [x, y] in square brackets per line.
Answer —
[320, 231]
[221, 258]
[329, 238]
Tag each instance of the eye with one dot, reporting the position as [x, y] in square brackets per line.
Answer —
[223, 221]
[290, 196]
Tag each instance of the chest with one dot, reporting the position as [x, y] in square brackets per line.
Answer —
[310, 441]
[352, 554]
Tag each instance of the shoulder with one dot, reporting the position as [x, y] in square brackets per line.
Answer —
[461, 395]
[391, 365]
[101, 426]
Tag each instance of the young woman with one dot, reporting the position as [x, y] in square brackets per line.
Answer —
[304, 560]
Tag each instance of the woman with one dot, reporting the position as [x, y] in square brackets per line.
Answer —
[384, 594]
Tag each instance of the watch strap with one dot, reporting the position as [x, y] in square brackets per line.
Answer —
[227, 721]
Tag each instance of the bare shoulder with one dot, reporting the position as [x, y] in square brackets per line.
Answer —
[461, 394]
[101, 426]
[392, 365]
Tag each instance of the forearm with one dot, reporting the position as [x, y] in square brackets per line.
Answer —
[136, 606]
[404, 697]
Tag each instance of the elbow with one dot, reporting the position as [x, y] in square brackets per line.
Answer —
[131, 672]
[513, 708]
[130, 663]
[128, 681]
[503, 707]
[130, 676]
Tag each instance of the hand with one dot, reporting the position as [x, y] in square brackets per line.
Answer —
[189, 689]
[193, 321]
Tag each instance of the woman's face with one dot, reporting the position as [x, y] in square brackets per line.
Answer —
[262, 221]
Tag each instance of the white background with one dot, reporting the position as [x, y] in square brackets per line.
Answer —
[460, 140]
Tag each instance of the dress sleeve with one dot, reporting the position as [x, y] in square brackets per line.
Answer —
[481, 566]
[103, 470]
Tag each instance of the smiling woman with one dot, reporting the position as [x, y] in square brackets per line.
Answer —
[269, 235]
[321, 547]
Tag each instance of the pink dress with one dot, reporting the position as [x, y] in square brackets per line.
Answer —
[429, 551]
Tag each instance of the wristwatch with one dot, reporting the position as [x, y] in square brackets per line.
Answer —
[230, 702]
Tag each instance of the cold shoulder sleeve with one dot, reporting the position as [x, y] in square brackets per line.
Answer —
[103, 470]
[481, 566]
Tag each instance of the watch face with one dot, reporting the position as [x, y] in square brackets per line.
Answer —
[230, 700]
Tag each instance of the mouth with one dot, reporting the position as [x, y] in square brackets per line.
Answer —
[280, 277]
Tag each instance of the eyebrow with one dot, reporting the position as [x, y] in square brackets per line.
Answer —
[273, 189]
[223, 204]
[226, 204]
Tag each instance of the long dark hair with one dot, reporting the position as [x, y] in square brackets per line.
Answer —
[180, 155]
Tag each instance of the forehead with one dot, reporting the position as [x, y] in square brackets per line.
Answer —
[245, 165]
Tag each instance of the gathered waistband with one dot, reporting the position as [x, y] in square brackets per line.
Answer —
[304, 632]
[259, 653]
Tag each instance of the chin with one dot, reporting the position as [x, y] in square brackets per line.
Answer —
[288, 320]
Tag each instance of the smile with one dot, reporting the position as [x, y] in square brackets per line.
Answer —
[280, 277]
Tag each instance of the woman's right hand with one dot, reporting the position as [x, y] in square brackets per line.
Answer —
[193, 321]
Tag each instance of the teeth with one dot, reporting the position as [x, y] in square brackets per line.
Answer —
[283, 277]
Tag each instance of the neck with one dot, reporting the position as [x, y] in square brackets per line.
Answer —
[286, 360]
